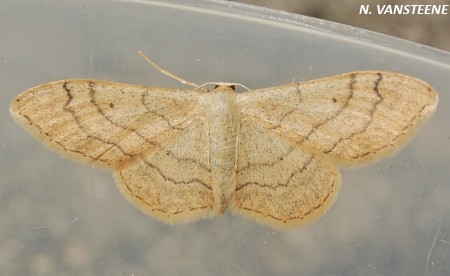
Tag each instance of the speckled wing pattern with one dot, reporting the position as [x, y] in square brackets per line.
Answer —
[285, 142]
[149, 136]
[311, 127]
[279, 183]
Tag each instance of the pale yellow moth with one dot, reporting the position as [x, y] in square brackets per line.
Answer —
[270, 154]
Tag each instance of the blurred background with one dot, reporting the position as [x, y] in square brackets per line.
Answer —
[431, 30]
[58, 217]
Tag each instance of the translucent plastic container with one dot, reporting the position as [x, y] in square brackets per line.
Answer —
[59, 217]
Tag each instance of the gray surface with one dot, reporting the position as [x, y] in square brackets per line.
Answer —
[431, 30]
[58, 217]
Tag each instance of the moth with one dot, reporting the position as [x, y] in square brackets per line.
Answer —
[270, 154]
